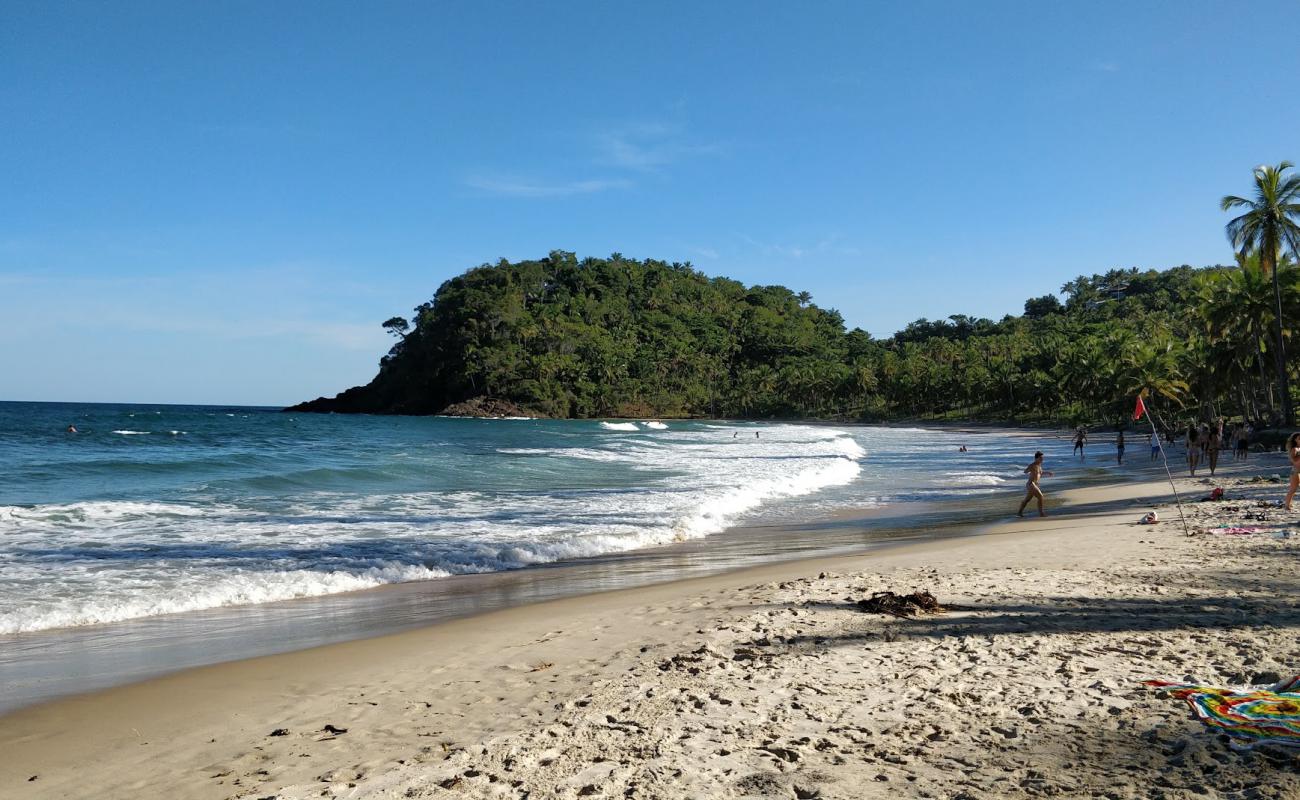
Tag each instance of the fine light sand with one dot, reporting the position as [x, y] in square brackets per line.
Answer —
[763, 683]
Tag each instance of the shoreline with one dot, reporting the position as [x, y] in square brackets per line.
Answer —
[462, 695]
[67, 662]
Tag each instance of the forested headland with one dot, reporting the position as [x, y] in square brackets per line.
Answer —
[620, 337]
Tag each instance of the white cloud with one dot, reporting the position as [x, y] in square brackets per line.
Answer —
[647, 146]
[827, 245]
[517, 187]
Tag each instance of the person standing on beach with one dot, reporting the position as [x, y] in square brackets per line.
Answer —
[1035, 473]
[1213, 441]
[1080, 439]
[1193, 449]
[1119, 447]
[1155, 445]
[1243, 443]
[1293, 453]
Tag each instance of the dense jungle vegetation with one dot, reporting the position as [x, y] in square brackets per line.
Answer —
[621, 337]
[618, 337]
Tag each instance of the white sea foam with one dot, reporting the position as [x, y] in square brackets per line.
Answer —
[132, 433]
[974, 479]
[110, 560]
[655, 425]
[195, 593]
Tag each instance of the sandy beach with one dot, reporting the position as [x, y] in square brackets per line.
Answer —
[766, 682]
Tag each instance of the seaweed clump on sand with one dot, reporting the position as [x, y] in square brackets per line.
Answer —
[901, 605]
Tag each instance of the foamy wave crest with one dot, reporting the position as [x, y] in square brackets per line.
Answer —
[243, 588]
[107, 511]
[619, 426]
[655, 425]
[974, 479]
[723, 512]
[132, 433]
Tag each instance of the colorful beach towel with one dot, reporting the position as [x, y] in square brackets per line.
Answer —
[1249, 718]
[1239, 530]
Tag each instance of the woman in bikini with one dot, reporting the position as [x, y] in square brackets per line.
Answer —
[1213, 441]
[1035, 473]
[1293, 453]
[1193, 449]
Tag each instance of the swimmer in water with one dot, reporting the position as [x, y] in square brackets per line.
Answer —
[72, 429]
[1035, 473]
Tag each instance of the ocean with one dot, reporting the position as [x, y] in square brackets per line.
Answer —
[152, 512]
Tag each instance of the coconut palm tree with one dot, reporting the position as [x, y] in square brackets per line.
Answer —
[1271, 224]
[1238, 307]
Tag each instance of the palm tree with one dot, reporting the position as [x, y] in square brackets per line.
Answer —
[1268, 226]
[1238, 307]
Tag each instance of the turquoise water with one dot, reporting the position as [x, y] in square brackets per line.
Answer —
[153, 510]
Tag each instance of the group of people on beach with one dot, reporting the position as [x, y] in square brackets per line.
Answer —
[1205, 440]
[1209, 440]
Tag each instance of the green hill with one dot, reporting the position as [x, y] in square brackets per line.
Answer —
[617, 337]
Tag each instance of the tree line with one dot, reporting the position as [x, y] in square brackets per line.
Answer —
[622, 337]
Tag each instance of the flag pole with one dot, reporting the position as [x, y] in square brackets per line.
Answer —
[1151, 418]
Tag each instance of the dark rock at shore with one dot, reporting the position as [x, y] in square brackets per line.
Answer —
[357, 401]
[486, 407]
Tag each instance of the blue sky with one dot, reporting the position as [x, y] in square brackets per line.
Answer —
[220, 202]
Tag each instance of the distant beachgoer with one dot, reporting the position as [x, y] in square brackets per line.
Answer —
[962, 449]
[1243, 443]
[1193, 449]
[1119, 447]
[1032, 491]
[755, 434]
[734, 435]
[1155, 445]
[1080, 439]
[1213, 441]
[1293, 453]
[72, 429]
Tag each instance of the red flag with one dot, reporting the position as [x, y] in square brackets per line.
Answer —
[1140, 409]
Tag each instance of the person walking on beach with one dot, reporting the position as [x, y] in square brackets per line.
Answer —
[1119, 447]
[1243, 443]
[1155, 445]
[1213, 441]
[1193, 449]
[1293, 453]
[1080, 439]
[1035, 473]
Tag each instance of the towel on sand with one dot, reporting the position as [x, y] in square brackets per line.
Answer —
[1250, 718]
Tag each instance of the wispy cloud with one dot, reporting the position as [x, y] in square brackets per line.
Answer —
[522, 187]
[824, 246]
[704, 252]
[647, 146]
[623, 152]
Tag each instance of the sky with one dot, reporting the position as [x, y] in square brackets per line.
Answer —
[222, 202]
